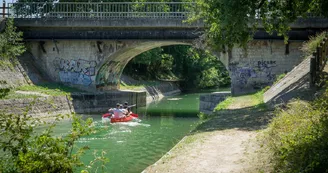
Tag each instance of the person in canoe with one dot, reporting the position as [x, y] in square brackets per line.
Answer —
[119, 112]
[127, 107]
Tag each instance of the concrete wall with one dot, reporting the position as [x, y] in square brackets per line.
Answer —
[208, 102]
[101, 102]
[97, 65]
[296, 84]
[260, 64]
[43, 107]
[12, 76]
[89, 64]
[79, 103]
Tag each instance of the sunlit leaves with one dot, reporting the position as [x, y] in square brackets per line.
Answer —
[234, 22]
[11, 44]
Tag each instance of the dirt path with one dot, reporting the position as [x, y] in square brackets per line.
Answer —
[212, 152]
[221, 145]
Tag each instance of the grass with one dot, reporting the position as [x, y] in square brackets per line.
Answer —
[51, 89]
[224, 104]
[139, 86]
[310, 46]
[254, 100]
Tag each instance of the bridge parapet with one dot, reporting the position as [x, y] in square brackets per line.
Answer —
[101, 10]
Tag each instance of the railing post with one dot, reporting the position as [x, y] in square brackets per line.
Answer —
[3, 8]
[313, 70]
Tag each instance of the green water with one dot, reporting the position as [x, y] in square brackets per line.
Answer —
[132, 146]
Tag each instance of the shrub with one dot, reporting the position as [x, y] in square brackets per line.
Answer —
[297, 138]
[310, 46]
[203, 116]
[11, 44]
[24, 150]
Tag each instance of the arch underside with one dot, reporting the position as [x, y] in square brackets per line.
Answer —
[108, 76]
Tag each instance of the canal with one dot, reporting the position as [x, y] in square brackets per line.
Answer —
[132, 146]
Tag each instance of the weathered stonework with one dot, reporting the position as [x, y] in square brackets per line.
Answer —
[296, 84]
[89, 65]
[97, 65]
[259, 65]
[12, 77]
[79, 103]
[208, 102]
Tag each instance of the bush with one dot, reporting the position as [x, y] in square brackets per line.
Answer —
[11, 44]
[297, 138]
[311, 46]
[24, 150]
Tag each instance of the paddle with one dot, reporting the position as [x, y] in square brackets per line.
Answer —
[134, 115]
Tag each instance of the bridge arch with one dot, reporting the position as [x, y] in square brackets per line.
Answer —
[108, 75]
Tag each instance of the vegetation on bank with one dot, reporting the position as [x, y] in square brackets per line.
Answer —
[51, 89]
[193, 68]
[254, 100]
[25, 150]
[11, 44]
[297, 138]
[311, 45]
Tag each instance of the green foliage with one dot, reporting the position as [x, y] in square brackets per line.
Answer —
[4, 92]
[278, 78]
[203, 116]
[224, 104]
[25, 150]
[297, 138]
[197, 68]
[52, 89]
[234, 22]
[11, 44]
[254, 100]
[311, 46]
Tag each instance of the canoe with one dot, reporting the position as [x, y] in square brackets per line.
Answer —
[107, 116]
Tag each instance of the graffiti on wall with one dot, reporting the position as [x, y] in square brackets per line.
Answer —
[256, 74]
[109, 75]
[77, 72]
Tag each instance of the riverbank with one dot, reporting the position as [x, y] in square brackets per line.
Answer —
[155, 90]
[224, 143]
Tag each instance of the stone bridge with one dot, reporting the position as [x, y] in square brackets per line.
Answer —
[87, 45]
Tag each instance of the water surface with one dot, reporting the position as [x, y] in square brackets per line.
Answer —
[131, 146]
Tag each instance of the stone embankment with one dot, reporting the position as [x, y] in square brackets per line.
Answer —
[77, 102]
[25, 73]
[207, 102]
[296, 84]
[154, 92]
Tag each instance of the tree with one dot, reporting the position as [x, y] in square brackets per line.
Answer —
[11, 44]
[230, 22]
[23, 149]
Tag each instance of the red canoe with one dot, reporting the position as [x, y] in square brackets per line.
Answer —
[125, 119]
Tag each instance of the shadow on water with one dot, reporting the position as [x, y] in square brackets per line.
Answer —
[249, 119]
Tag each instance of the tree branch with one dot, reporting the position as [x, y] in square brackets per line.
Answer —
[261, 4]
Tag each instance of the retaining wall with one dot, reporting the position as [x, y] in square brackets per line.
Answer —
[79, 103]
[208, 102]
[296, 84]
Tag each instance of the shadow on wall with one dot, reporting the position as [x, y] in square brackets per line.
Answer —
[27, 62]
[100, 102]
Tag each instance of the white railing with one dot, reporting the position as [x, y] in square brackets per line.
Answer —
[100, 10]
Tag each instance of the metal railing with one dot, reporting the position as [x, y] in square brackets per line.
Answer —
[100, 10]
[4, 10]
